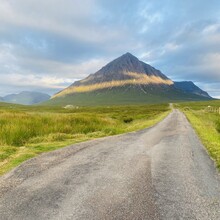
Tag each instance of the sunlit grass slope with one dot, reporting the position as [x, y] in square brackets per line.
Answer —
[207, 125]
[124, 96]
[28, 131]
[138, 79]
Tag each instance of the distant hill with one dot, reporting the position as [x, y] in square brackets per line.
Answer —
[26, 98]
[127, 80]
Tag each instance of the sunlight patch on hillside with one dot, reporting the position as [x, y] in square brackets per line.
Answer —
[138, 79]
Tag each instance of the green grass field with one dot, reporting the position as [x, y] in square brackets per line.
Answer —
[206, 124]
[26, 131]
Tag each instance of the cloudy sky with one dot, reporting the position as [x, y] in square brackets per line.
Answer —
[45, 45]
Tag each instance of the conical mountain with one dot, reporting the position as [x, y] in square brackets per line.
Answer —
[122, 68]
[127, 80]
[125, 70]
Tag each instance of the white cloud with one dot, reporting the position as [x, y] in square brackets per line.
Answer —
[54, 76]
[211, 29]
[171, 46]
[71, 20]
[35, 80]
[211, 64]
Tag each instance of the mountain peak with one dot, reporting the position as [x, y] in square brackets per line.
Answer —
[129, 55]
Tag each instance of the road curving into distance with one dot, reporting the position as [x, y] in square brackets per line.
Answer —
[162, 172]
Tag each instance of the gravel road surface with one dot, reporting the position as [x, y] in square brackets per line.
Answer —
[162, 172]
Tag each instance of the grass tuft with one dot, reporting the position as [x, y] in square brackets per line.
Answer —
[128, 120]
[218, 125]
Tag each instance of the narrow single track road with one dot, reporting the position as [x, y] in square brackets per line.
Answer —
[162, 172]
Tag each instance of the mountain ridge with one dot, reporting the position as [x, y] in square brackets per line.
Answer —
[189, 86]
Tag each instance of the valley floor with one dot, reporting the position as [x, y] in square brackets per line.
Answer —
[159, 173]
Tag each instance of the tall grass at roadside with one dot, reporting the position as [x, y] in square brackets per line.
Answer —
[206, 124]
[18, 129]
[28, 131]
